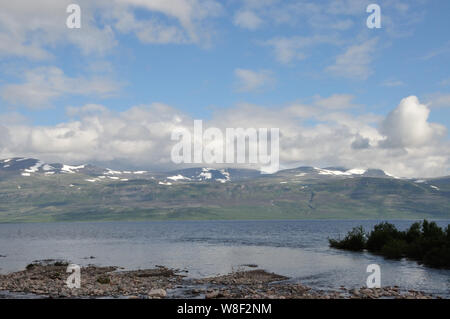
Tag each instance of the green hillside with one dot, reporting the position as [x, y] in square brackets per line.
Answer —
[69, 197]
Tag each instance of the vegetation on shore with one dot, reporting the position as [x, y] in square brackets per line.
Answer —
[424, 242]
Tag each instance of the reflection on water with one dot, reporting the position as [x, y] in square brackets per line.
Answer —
[298, 249]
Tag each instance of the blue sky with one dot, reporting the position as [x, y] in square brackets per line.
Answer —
[203, 58]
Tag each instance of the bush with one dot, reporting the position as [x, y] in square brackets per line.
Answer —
[438, 257]
[381, 235]
[395, 249]
[413, 233]
[355, 240]
[432, 231]
[425, 242]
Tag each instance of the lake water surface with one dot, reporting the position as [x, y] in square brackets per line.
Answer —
[297, 249]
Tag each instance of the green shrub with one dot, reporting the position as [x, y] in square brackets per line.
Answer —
[432, 230]
[382, 234]
[395, 249]
[413, 233]
[424, 242]
[438, 257]
[355, 240]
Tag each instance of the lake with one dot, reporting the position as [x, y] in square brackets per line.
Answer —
[297, 249]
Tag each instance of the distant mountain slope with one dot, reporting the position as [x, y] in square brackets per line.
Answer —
[31, 190]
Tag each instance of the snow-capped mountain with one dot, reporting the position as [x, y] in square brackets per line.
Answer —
[31, 166]
[315, 172]
[87, 192]
[27, 167]
[199, 175]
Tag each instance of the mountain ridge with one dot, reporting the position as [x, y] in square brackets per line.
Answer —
[28, 166]
[33, 191]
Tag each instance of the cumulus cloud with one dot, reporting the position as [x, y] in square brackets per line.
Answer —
[249, 80]
[407, 126]
[141, 135]
[45, 84]
[360, 142]
[403, 143]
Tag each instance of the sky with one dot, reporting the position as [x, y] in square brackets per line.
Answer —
[342, 94]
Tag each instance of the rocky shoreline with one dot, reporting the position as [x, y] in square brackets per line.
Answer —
[48, 280]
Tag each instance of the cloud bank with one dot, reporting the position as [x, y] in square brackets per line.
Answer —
[403, 143]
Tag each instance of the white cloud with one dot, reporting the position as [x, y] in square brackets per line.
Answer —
[335, 102]
[289, 49]
[392, 83]
[31, 28]
[88, 109]
[140, 137]
[189, 14]
[247, 19]
[249, 80]
[408, 126]
[347, 7]
[355, 61]
[44, 84]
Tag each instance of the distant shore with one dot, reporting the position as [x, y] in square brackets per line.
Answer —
[48, 280]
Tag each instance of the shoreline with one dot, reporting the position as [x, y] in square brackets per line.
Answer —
[48, 280]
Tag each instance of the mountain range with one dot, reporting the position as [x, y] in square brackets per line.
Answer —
[34, 191]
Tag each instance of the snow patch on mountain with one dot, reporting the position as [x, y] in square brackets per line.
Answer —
[34, 168]
[390, 175]
[71, 169]
[206, 174]
[178, 177]
[350, 172]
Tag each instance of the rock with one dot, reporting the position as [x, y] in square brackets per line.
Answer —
[161, 293]
[355, 292]
[212, 295]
